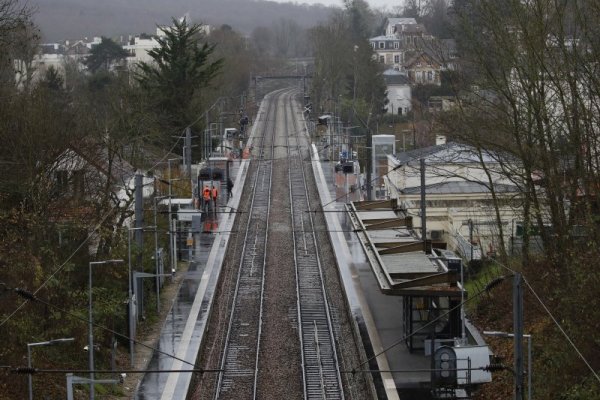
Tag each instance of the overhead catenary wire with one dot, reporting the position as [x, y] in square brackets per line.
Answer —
[554, 320]
[88, 237]
[60, 267]
[34, 371]
[489, 367]
[32, 297]
[347, 193]
[486, 289]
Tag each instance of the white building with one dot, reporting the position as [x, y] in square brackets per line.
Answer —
[398, 92]
[383, 146]
[457, 190]
[390, 27]
[139, 46]
[138, 49]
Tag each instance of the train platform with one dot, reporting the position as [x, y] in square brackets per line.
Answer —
[378, 315]
[185, 326]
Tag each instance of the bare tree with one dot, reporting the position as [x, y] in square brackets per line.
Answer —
[15, 22]
[536, 99]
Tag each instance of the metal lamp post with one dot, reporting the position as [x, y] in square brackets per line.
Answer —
[91, 323]
[171, 230]
[47, 343]
[529, 360]
[156, 248]
[130, 294]
[130, 289]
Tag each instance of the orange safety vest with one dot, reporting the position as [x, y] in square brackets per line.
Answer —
[206, 193]
[215, 193]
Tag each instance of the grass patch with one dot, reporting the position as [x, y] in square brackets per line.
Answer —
[478, 277]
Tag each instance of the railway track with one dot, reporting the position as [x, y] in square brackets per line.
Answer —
[242, 343]
[279, 340]
[320, 368]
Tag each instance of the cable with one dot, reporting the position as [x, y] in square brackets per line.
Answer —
[490, 367]
[5, 320]
[33, 371]
[62, 265]
[347, 193]
[486, 289]
[560, 328]
[31, 296]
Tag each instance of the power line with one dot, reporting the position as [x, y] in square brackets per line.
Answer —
[486, 289]
[92, 233]
[490, 367]
[31, 296]
[33, 371]
[89, 236]
[554, 320]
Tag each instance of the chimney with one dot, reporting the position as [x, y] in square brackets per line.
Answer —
[440, 139]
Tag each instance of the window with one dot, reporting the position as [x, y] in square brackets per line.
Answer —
[373, 45]
[78, 183]
[430, 76]
[62, 180]
[396, 45]
[382, 59]
[382, 45]
[396, 59]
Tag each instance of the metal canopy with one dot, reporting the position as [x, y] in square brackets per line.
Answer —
[402, 264]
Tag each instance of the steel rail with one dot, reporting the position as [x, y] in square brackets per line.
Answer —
[321, 372]
[240, 356]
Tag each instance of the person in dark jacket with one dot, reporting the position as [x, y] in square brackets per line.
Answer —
[229, 187]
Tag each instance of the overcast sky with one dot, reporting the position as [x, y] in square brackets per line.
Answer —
[373, 3]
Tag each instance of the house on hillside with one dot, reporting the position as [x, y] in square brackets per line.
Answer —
[392, 24]
[402, 36]
[458, 193]
[441, 103]
[388, 51]
[53, 55]
[138, 48]
[398, 92]
[32, 71]
[83, 177]
[423, 69]
[77, 51]
[412, 36]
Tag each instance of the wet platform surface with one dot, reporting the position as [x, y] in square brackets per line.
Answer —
[377, 314]
[185, 325]
[381, 314]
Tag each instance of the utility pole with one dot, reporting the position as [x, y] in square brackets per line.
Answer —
[471, 237]
[187, 151]
[139, 224]
[172, 232]
[220, 132]
[369, 161]
[518, 328]
[207, 138]
[423, 207]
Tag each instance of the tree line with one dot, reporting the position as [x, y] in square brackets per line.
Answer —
[528, 93]
[71, 140]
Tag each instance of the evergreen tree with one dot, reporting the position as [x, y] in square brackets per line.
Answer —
[105, 55]
[182, 67]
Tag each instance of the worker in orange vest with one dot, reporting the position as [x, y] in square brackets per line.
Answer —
[215, 194]
[205, 198]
